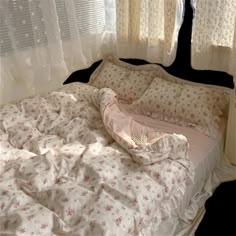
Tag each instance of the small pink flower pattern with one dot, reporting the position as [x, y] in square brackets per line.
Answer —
[2, 205]
[21, 230]
[148, 211]
[118, 221]
[204, 112]
[16, 204]
[109, 208]
[30, 217]
[44, 226]
[159, 100]
[70, 168]
[70, 211]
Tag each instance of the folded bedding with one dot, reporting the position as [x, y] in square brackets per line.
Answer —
[145, 144]
[74, 163]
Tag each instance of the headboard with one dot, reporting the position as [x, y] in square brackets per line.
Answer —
[182, 65]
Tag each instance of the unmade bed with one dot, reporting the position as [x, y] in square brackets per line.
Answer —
[207, 164]
[112, 157]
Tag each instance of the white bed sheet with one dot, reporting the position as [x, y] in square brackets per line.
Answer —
[205, 154]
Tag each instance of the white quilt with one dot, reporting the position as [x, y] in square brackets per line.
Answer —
[61, 173]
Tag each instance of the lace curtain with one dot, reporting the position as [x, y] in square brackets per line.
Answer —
[43, 41]
[214, 48]
[149, 29]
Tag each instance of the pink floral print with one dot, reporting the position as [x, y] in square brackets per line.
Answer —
[129, 82]
[62, 173]
[201, 108]
[159, 100]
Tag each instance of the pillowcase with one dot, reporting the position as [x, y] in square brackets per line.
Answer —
[128, 81]
[159, 100]
[134, 85]
[108, 75]
[201, 107]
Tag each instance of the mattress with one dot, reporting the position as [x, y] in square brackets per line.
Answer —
[206, 155]
[204, 152]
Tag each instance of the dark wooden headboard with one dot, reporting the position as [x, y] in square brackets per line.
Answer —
[182, 64]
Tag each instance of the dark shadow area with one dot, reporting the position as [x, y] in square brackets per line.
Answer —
[219, 218]
[82, 75]
[182, 64]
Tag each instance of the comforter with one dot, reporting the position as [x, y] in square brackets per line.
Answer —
[69, 166]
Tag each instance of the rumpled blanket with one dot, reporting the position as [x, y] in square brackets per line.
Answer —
[66, 167]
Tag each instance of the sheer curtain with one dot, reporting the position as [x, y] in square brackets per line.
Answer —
[214, 48]
[149, 29]
[43, 41]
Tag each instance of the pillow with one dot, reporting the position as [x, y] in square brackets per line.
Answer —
[128, 81]
[201, 107]
[108, 75]
[134, 85]
[159, 100]
[133, 81]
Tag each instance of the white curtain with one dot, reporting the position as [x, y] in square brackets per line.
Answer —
[230, 148]
[149, 29]
[43, 41]
[214, 48]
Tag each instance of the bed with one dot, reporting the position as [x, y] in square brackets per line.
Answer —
[124, 154]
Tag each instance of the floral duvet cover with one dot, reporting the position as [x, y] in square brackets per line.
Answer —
[63, 173]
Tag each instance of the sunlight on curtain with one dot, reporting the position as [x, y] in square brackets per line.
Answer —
[42, 42]
[214, 48]
[149, 29]
[230, 148]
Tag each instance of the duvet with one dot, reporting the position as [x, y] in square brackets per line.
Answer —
[73, 163]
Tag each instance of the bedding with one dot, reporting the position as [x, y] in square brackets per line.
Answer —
[159, 100]
[62, 173]
[204, 159]
[145, 144]
[155, 93]
[209, 171]
[127, 83]
[191, 106]
[201, 107]
[152, 70]
[110, 75]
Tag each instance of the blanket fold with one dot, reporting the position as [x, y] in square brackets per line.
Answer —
[145, 144]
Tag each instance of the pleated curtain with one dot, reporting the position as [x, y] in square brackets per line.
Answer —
[149, 29]
[214, 48]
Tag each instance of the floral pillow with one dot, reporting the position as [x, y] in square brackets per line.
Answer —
[201, 107]
[129, 83]
[159, 100]
[134, 85]
[109, 75]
